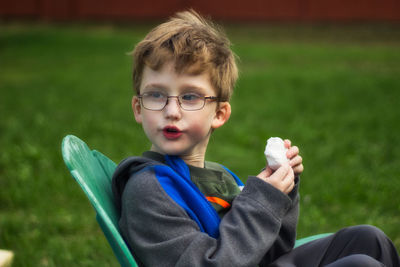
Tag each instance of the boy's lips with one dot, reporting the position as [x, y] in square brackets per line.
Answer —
[171, 132]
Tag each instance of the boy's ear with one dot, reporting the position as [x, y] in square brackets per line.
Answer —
[137, 109]
[222, 114]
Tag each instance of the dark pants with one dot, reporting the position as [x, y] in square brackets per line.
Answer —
[355, 246]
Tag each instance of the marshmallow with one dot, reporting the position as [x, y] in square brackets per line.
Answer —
[275, 152]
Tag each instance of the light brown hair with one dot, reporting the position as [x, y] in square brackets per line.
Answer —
[195, 45]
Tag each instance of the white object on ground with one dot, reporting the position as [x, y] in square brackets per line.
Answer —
[6, 257]
[275, 152]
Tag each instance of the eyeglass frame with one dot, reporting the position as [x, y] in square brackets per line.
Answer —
[214, 98]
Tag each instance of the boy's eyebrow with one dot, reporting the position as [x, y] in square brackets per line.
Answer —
[155, 85]
[184, 87]
[192, 87]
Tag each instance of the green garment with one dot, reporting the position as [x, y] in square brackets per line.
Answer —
[212, 180]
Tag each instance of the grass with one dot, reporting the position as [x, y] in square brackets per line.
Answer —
[332, 89]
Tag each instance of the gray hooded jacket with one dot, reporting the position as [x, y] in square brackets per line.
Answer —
[258, 228]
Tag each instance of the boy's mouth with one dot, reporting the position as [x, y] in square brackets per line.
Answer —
[171, 132]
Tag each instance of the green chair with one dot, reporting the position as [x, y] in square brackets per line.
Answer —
[93, 171]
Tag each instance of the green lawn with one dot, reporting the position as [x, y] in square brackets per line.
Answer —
[333, 90]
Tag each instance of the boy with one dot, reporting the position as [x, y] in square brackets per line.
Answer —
[178, 209]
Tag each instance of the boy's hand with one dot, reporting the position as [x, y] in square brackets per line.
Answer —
[282, 179]
[295, 160]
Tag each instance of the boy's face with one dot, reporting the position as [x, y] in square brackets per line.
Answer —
[173, 130]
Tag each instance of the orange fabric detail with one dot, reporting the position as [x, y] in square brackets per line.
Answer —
[219, 201]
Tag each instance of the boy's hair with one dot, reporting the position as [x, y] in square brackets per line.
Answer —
[195, 45]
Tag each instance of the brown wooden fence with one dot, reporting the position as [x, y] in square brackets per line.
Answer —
[256, 10]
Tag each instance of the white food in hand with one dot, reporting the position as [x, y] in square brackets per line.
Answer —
[275, 152]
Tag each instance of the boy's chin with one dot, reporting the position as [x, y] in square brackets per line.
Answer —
[181, 148]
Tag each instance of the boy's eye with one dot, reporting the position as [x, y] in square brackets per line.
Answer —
[190, 97]
[155, 95]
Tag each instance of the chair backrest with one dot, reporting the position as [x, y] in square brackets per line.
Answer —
[93, 171]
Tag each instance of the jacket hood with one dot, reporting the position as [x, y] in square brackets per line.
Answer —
[123, 172]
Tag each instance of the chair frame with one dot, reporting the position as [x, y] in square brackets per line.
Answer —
[75, 152]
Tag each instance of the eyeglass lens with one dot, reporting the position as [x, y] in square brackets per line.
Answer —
[187, 101]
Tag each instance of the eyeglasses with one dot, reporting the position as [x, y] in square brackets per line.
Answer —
[187, 101]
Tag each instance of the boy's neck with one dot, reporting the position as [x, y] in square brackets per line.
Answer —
[196, 160]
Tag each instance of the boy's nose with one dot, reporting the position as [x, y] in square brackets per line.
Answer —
[172, 109]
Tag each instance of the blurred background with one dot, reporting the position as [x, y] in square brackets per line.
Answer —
[324, 74]
[234, 10]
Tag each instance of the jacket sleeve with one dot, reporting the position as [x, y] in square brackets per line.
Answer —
[159, 232]
[287, 234]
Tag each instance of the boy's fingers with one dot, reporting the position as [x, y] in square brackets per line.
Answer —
[293, 151]
[290, 188]
[298, 169]
[296, 161]
[286, 183]
[282, 179]
[265, 173]
[289, 178]
[287, 143]
[268, 171]
[281, 172]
